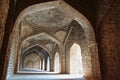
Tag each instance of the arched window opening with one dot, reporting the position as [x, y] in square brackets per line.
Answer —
[57, 63]
[75, 60]
[48, 64]
[43, 65]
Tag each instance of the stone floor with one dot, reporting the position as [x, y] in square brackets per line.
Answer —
[46, 77]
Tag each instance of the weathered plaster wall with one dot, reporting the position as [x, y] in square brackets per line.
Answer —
[4, 5]
[108, 30]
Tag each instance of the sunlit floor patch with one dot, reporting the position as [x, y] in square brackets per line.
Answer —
[46, 77]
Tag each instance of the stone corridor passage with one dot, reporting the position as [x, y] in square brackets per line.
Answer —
[50, 42]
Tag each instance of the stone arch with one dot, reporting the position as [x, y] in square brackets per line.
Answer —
[75, 15]
[57, 63]
[23, 57]
[29, 64]
[86, 55]
[34, 48]
[46, 35]
[35, 58]
[38, 46]
[75, 60]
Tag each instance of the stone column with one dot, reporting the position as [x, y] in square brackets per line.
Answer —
[52, 64]
[62, 61]
[95, 62]
[41, 64]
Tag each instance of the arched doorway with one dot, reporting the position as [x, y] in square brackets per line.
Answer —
[75, 60]
[48, 63]
[57, 63]
[34, 58]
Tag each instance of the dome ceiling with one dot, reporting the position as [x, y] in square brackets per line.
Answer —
[48, 18]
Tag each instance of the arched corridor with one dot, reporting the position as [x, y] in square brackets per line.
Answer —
[29, 64]
[37, 61]
[52, 41]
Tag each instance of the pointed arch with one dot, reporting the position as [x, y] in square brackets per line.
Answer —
[75, 60]
[45, 36]
[75, 15]
[57, 65]
[48, 63]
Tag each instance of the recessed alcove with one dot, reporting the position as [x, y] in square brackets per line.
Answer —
[50, 40]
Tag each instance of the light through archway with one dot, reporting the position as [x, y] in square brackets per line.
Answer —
[48, 64]
[57, 63]
[75, 60]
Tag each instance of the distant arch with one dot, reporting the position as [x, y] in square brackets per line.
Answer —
[57, 65]
[75, 60]
[29, 64]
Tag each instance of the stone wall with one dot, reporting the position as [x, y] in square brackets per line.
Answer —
[10, 70]
[3, 15]
[107, 33]
[108, 28]
[4, 5]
